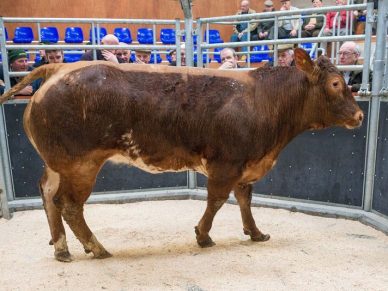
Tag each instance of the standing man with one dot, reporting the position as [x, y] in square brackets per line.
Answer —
[228, 59]
[240, 30]
[349, 54]
[287, 28]
[312, 26]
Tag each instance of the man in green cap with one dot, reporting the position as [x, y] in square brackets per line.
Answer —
[18, 62]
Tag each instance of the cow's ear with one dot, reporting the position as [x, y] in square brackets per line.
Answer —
[303, 62]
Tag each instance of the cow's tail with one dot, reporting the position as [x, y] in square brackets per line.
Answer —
[43, 72]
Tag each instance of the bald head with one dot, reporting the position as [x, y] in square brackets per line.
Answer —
[110, 39]
[244, 6]
[349, 53]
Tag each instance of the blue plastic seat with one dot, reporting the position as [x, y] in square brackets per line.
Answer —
[103, 32]
[74, 35]
[257, 58]
[308, 46]
[214, 36]
[217, 55]
[158, 58]
[145, 36]
[123, 34]
[75, 56]
[23, 34]
[49, 34]
[167, 36]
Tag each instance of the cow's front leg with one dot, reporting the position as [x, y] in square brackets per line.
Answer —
[243, 194]
[218, 193]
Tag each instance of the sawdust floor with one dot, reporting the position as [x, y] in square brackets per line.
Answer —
[154, 248]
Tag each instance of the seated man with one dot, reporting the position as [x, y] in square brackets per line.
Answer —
[349, 54]
[228, 59]
[174, 58]
[124, 54]
[104, 55]
[142, 56]
[18, 62]
[287, 27]
[264, 27]
[312, 26]
[240, 30]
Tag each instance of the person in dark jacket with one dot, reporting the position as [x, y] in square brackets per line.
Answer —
[349, 54]
[264, 27]
[18, 62]
[312, 25]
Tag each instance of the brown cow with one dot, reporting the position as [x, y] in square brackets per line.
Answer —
[228, 125]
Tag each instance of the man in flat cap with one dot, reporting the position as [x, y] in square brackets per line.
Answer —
[265, 26]
[142, 56]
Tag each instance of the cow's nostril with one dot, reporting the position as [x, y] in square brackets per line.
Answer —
[359, 116]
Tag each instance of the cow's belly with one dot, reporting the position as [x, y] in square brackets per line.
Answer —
[173, 164]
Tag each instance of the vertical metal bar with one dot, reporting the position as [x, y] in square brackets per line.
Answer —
[94, 41]
[154, 41]
[5, 189]
[178, 41]
[199, 43]
[364, 89]
[275, 46]
[375, 105]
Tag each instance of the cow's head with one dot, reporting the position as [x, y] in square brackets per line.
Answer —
[337, 106]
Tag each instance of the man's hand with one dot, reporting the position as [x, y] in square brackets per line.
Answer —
[309, 27]
[139, 61]
[109, 56]
[25, 91]
[293, 32]
[327, 30]
[226, 66]
[240, 35]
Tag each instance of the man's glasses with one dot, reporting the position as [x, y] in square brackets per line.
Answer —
[345, 54]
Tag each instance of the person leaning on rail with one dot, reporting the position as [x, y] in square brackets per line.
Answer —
[18, 62]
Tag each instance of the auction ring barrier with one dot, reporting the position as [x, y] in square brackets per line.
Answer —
[331, 172]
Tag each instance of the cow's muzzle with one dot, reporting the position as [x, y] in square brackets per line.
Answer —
[356, 121]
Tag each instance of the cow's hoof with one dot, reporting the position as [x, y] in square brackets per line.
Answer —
[87, 251]
[63, 256]
[103, 255]
[206, 243]
[261, 237]
[51, 243]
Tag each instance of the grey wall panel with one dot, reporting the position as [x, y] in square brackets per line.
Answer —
[325, 166]
[27, 167]
[380, 190]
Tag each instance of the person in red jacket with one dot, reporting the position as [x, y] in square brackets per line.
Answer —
[332, 21]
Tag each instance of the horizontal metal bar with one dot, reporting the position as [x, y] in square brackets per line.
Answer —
[284, 13]
[285, 41]
[86, 46]
[89, 20]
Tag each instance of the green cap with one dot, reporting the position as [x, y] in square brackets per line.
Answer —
[13, 55]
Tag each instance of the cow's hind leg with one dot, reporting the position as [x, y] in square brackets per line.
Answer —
[77, 189]
[218, 193]
[243, 194]
[49, 186]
